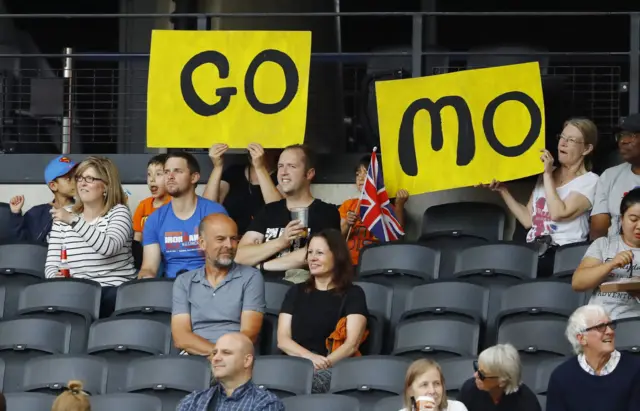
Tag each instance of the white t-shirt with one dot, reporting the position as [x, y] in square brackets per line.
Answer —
[453, 405]
[618, 304]
[562, 232]
[613, 184]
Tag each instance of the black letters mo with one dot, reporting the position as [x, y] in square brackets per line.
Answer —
[292, 80]
[466, 148]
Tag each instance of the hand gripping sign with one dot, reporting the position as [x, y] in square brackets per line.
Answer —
[461, 129]
[233, 87]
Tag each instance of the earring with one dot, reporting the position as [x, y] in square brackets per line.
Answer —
[104, 193]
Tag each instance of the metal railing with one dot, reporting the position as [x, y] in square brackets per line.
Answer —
[87, 103]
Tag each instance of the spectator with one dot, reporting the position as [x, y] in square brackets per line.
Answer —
[232, 363]
[72, 399]
[557, 211]
[159, 196]
[616, 181]
[171, 232]
[244, 189]
[424, 377]
[350, 224]
[218, 298]
[599, 377]
[497, 383]
[3, 402]
[272, 233]
[97, 234]
[311, 311]
[614, 259]
[36, 223]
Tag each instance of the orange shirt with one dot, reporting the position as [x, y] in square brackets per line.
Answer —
[359, 236]
[144, 210]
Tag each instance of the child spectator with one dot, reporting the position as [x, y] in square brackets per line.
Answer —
[159, 195]
[72, 399]
[35, 224]
[360, 236]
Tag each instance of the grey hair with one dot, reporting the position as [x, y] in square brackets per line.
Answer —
[503, 361]
[579, 321]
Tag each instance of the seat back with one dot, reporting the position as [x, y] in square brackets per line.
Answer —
[283, 375]
[148, 296]
[403, 259]
[321, 402]
[390, 404]
[437, 338]
[535, 338]
[32, 401]
[448, 298]
[274, 293]
[20, 265]
[567, 259]
[628, 336]
[457, 371]
[50, 374]
[483, 220]
[125, 402]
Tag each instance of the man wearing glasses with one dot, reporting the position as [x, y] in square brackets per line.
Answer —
[599, 377]
[616, 181]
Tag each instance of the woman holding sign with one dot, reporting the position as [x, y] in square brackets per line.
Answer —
[557, 211]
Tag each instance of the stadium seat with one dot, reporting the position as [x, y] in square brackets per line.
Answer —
[543, 374]
[120, 340]
[2, 375]
[437, 338]
[150, 297]
[379, 298]
[321, 402]
[449, 246]
[24, 338]
[125, 402]
[29, 401]
[274, 293]
[475, 219]
[567, 259]
[394, 403]
[20, 265]
[448, 299]
[5, 223]
[536, 339]
[2, 300]
[628, 336]
[500, 262]
[169, 378]
[369, 379]
[74, 300]
[542, 399]
[456, 372]
[379, 304]
[283, 375]
[493, 56]
[50, 374]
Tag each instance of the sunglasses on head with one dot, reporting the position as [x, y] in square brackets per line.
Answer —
[602, 327]
[481, 375]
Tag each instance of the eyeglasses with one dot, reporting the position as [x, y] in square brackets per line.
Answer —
[602, 327]
[571, 140]
[481, 374]
[623, 134]
[88, 179]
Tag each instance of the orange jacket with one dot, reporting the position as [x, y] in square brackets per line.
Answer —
[339, 336]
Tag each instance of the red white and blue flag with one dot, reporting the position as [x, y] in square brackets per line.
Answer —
[376, 211]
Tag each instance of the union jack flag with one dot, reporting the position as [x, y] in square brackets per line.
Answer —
[376, 211]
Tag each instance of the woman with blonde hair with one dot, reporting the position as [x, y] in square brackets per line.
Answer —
[73, 399]
[95, 235]
[425, 383]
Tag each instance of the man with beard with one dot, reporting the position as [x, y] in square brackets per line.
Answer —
[219, 298]
[171, 232]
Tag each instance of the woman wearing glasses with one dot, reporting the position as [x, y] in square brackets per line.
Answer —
[497, 383]
[96, 234]
[598, 377]
[557, 211]
[614, 258]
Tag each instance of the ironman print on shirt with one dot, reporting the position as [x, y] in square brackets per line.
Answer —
[181, 241]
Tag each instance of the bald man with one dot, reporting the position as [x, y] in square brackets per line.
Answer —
[232, 365]
[218, 298]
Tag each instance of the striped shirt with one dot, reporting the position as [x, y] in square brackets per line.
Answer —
[247, 397]
[98, 251]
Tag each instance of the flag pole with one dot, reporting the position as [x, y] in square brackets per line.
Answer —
[375, 149]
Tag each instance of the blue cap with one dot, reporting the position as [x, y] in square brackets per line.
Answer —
[58, 167]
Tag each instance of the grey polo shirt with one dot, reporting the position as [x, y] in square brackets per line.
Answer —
[216, 311]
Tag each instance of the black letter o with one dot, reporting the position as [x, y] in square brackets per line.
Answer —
[534, 130]
[291, 80]
[189, 94]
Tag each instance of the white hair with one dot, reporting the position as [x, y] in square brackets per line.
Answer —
[579, 321]
[503, 361]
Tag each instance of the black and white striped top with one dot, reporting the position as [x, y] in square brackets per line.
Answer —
[98, 251]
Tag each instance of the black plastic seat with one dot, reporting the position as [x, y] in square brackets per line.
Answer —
[283, 375]
[29, 401]
[20, 265]
[437, 338]
[567, 259]
[473, 219]
[125, 402]
[321, 402]
[50, 374]
[152, 298]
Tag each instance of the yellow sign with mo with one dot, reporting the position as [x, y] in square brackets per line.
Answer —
[233, 87]
[461, 129]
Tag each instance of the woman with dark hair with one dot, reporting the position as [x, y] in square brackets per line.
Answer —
[313, 311]
[612, 258]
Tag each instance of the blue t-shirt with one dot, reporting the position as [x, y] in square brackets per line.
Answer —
[178, 239]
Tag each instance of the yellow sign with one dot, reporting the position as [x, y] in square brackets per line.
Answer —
[233, 87]
[461, 129]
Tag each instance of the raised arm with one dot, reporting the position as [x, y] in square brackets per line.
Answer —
[270, 192]
[212, 190]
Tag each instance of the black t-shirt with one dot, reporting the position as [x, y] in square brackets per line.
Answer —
[315, 314]
[274, 217]
[475, 400]
[244, 200]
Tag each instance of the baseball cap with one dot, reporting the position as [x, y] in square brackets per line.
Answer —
[58, 167]
[631, 123]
